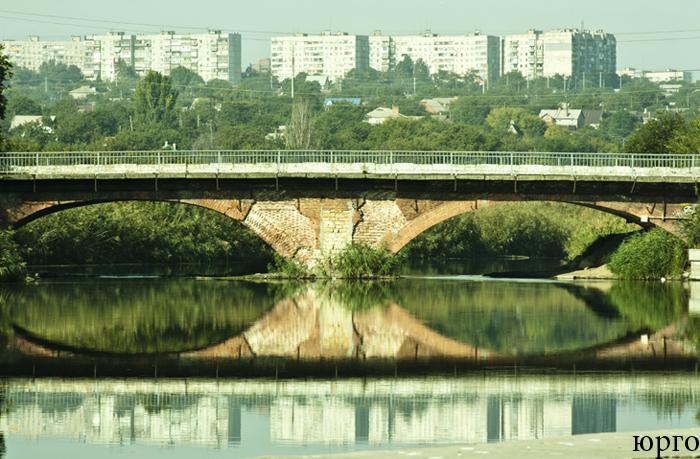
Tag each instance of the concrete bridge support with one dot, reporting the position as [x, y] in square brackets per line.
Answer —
[309, 219]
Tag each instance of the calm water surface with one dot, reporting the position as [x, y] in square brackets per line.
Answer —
[438, 313]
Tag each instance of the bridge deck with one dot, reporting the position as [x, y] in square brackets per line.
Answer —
[354, 165]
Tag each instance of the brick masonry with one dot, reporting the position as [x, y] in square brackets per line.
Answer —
[308, 224]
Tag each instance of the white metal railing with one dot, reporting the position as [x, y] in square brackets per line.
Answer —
[348, 162]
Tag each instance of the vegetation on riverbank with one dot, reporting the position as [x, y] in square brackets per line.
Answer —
[533, 229]
[12, 267]
[138, 232]
[358, 261]
[650, 255]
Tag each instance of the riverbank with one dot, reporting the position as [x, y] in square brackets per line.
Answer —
[612, 445]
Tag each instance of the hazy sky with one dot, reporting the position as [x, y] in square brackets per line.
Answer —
[652, 35]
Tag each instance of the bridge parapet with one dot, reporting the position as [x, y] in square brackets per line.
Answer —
[339, 163]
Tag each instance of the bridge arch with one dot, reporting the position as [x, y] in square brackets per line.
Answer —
[633, 212]
[280, 239]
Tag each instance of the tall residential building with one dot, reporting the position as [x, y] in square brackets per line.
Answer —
[452, 53]
[565, 52]
[381, 52]
[212, 55]
[32, 53]
[332, 55]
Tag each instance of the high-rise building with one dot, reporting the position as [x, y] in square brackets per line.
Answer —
[332, 55]
[459, 54]
[568, 52]
[32, 53]
[212, 55]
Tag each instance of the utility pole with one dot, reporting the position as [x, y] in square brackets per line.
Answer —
[414, 85]
[584, 81]
[600, 80]
[293, 72]
[46, 84]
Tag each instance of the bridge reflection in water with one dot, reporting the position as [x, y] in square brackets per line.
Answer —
[238, 327]
[477, 409]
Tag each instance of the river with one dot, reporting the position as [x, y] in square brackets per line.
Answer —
[146, 362]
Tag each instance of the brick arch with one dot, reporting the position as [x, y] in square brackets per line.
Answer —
[296, 239]
[633, 212]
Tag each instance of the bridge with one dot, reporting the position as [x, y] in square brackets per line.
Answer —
[309, 204]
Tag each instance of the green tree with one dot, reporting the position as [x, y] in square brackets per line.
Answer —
[421, 70]
[184, 77]
[656, 135]
[404, 69]
[620, 124]
[5, 75]
[22, 105]
[687, 141]
[154, 100]
[470, 109]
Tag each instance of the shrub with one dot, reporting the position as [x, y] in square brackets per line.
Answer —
[650, 255]
[360, 260]
[11, 264]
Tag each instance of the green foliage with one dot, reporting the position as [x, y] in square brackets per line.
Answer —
[292, 268]
[357, 261]
[656, 135]
[137, 232]
[5, 75]
[690, 228]
[12, 267]
[650, 255]
[154, 100]
[533, 229]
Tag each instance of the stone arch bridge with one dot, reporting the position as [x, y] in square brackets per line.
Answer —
[307, 207]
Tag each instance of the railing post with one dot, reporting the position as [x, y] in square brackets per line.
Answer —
[218, 161]
[332, 161]
[97, 167]
[573, 174]
[632, 164]
[391, 162]
[279, 154]
[37, 164]
[158, 165]
[451, 163]
[512, 165]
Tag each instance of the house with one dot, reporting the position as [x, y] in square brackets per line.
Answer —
[438, 105]
[353, 100]
[19, 120]
[322, 80]
[592, 117]
[570, 119]
[82, 92]
[381, 114]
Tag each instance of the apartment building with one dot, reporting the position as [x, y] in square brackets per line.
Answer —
[212, 55]
[332, 55]
[451, 53]
[32, 53]
[565, 52]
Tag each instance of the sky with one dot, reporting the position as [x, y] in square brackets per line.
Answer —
[651, 35]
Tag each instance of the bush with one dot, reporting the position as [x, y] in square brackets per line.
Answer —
[362, 261]
[11, 264]
[650, 255]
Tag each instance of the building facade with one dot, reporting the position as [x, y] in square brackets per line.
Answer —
[32, 53]
[332, 55]
[566, 52]
[212, 55]
[459, 54]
